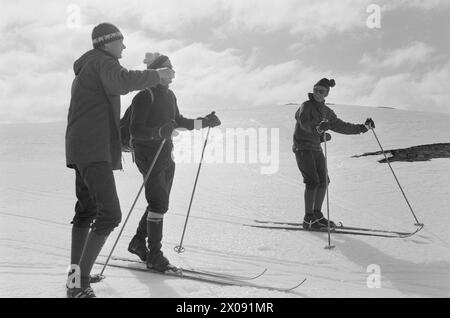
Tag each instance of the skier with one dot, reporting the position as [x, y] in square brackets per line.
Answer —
[314, 118]
[93, 147]
[155, 115]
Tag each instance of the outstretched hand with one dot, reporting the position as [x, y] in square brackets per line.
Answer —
[370, 123]
[211, 120]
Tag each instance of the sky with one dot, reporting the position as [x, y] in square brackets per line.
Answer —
[231, 54]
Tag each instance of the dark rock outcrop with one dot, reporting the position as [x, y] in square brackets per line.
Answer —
[416, 153]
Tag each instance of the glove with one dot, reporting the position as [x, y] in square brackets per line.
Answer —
[211, 120]
[325, 136]
[323, 126]
[369, 123]
[166, 130]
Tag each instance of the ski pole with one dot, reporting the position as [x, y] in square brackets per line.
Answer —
[329, 246]
[396, 179]
[100, 276]
[179, 248]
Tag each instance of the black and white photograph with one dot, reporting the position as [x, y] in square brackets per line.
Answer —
[224, 154]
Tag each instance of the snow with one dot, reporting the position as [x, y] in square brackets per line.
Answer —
[37, 200]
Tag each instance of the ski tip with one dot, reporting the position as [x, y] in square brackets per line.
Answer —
[296, 286]
[260, 274]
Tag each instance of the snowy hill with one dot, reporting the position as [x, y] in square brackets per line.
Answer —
[37, 200]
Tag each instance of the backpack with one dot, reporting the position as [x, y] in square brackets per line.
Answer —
[125, 126]
[125, 135]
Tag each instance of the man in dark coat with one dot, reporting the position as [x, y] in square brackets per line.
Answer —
[93, 146]
[313, 118]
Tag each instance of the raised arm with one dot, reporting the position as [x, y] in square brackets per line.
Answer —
[343, 127]
[119, 81]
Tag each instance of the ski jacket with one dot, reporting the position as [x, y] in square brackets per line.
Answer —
[93, 121]
[151, 110]
[308, 117]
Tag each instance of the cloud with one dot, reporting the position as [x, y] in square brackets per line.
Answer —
[38, 49]
[308, 17]
[33, 97]
[415, 4]
[225, 79]
[410, 56]
[407, 91]
[36, 70]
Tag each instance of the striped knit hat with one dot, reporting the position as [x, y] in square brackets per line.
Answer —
[105, 33]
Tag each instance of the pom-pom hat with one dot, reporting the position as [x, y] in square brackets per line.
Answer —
[325, 82]
[155, 60]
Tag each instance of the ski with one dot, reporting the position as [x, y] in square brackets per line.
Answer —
[346, 228]
[334, 231]
[202, 272]
[198, 276]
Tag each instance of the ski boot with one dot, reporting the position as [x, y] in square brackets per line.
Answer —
[80, 292]
[311, 223]
[138, 247]
[158, 262]
[155, 258]
[322, 221]
[73, 292]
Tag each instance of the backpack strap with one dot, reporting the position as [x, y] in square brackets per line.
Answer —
[152, 95]
[152, 98]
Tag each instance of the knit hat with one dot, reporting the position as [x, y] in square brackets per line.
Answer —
[325, 82]
[155, 60]
[105, 33]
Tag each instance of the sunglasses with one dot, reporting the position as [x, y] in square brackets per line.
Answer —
[320, 91]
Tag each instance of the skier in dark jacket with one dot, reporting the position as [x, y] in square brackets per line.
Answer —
[93, 147]
[314, 118]
[155, 115]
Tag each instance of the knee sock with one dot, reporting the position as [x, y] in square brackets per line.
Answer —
[154, 231]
